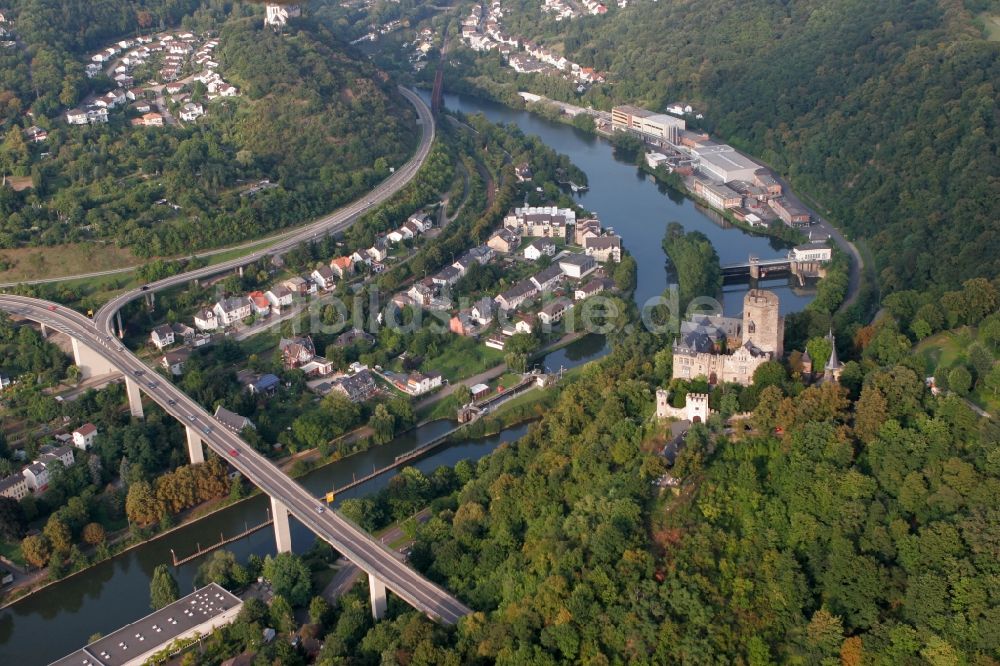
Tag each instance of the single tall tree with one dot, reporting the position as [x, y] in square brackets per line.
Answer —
[162, 588]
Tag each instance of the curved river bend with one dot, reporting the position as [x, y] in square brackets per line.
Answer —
[57, 620]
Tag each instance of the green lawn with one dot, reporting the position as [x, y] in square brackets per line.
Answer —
[463, 358]
[944, 350]
[12, 551]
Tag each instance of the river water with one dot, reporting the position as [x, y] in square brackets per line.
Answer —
[639, 208]
[60, 618]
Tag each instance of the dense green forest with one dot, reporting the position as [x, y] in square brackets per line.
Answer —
[323, 127]
[885, 112]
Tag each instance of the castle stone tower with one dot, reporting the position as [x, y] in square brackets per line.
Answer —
[763, 324]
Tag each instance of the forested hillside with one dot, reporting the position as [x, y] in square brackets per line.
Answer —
[321, 126]
[864, 533]
[886, 112]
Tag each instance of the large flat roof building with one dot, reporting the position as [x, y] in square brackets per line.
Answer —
[723, 162]
[202, 612]
[647, 124]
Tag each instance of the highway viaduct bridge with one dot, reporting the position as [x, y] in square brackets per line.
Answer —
[97, 351]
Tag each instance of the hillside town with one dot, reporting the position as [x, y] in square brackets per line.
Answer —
[173, 72]
[483, 31]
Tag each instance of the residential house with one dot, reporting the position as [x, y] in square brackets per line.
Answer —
[353, 336]
[423, 291]
[162, 336]
[317, 366]
[397, 235]
[143, 107]
[97, 114]
[231, 420]
[77, 117]
[297, 285]
[152, 120]
[379, 251]
[15, 487]
[547, 279]
[232, 310]
[37, 477]
[505, 240]
[522, 172]
[595, 286]
[481, 253]
[205, 320]
[546, 221]
[279, 296]
[342, 266]
[538, 247]
[414, 228]
[357, 387]
[36, 134]
[324, 277]
[359, 257]
[462, 324]
[296, 352]
[419, 383]
[516, 295]
[604, 248]
[577, 265]
[421, 221]
[264, 385]
[589, 228]
[191, 111]
[83, 437]
[259, 303]
[447, 276]
[173, 361]
[554, 311]
[482, 311]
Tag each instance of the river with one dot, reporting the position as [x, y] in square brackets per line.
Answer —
[639, 209]
[60, 618]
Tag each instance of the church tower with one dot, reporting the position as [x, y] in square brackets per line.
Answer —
[831, 373]
[763, 324]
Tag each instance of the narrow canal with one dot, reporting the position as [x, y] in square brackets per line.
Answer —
[60, 618]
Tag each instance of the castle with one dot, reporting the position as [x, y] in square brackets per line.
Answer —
[702, 349]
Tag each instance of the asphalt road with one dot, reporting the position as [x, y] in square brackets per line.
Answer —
[366, 553]
[349, 539]
[334, 222]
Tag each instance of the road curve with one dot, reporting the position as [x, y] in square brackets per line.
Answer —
[346, 537]
[335, 221]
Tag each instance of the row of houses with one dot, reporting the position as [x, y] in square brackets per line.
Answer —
[35, 478]
[550, 222]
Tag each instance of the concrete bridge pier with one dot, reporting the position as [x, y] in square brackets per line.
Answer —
[282, 530]
[134, 398]
[376, 589]
[151, 300]
[45, 331]
[90, 362]
[195, 452]
[121, 327]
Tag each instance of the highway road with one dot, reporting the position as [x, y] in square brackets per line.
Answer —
[336, 221]
[347, 538]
